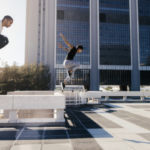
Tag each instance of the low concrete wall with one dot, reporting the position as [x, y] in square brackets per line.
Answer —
[33, 104]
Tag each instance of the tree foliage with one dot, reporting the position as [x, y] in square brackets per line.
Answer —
[26, 77]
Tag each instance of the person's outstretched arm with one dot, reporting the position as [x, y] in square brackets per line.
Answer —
[67, 43]
[66, 49]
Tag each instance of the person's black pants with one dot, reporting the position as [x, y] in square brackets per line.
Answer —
[3, 41]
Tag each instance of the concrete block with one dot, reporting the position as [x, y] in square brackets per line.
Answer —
[6, 102]
[13, 115]
[116, 94]
[60, 114]
[39, 102]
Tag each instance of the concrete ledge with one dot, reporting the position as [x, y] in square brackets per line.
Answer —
[6, 102]
[37, 124]
[39, 102]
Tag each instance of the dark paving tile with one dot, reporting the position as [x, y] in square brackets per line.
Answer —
[35, 133]
[5, 147]
[78, 132]
[7, 138]
[90, 126]
[55, 132]
[9, 134]
[74, 125]
[86, 146]
[80, 136]
[145, 135]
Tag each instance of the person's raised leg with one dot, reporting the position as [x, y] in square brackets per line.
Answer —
[75, 66]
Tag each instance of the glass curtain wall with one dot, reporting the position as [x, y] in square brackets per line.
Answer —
[144, 31]
[114, 32]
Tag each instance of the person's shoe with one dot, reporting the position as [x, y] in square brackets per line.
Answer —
[62, 85]
[69, 74]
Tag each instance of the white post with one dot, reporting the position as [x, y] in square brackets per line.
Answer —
[93, 99]
[99, 100]
[106, 98]
[55, 113]
[60, 114]
[142, 98]
[124, 98]
[13, 115]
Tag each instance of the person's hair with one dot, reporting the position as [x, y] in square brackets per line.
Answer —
[8, 18]
[80, 47]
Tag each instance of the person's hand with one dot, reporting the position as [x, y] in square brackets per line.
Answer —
[60, 46]
[61, 35]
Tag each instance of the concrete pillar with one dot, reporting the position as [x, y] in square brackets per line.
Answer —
[134, 29]
[50, 39]
[60, 114]
[13, 115]
[94, 44]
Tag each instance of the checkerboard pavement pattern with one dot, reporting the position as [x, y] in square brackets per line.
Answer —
[94, 127]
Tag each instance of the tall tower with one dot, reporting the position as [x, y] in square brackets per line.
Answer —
[40, 34]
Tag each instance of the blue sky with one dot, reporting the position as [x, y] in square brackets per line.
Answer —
[15, 51]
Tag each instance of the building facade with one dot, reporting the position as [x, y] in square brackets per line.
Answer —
[114, 34]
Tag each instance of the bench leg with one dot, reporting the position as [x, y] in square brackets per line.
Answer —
[99, 101]
[142, 98]
[84, 101]
[60, 114]
[106, 98]
[124, 98]
[93, 99]
[13, 115]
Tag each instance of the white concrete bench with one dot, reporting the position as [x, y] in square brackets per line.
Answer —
[22, 102]
[99, 94]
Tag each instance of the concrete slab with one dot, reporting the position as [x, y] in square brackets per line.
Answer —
[27, 147]
[57, 147]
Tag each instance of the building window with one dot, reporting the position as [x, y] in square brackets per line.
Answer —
[114, 32]
[144, 32]
[81, 77]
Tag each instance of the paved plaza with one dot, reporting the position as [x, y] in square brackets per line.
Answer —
[91, 127]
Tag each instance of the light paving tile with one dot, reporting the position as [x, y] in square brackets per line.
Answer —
[57, 147]
[5, 147]
[119, 131]
[27, 147]
[115, 146]
[127, 125]
[135, 141]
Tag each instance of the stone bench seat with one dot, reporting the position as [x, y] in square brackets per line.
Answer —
[14, 102]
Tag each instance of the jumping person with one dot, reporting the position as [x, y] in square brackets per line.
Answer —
[6, 22]
[69, 64]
